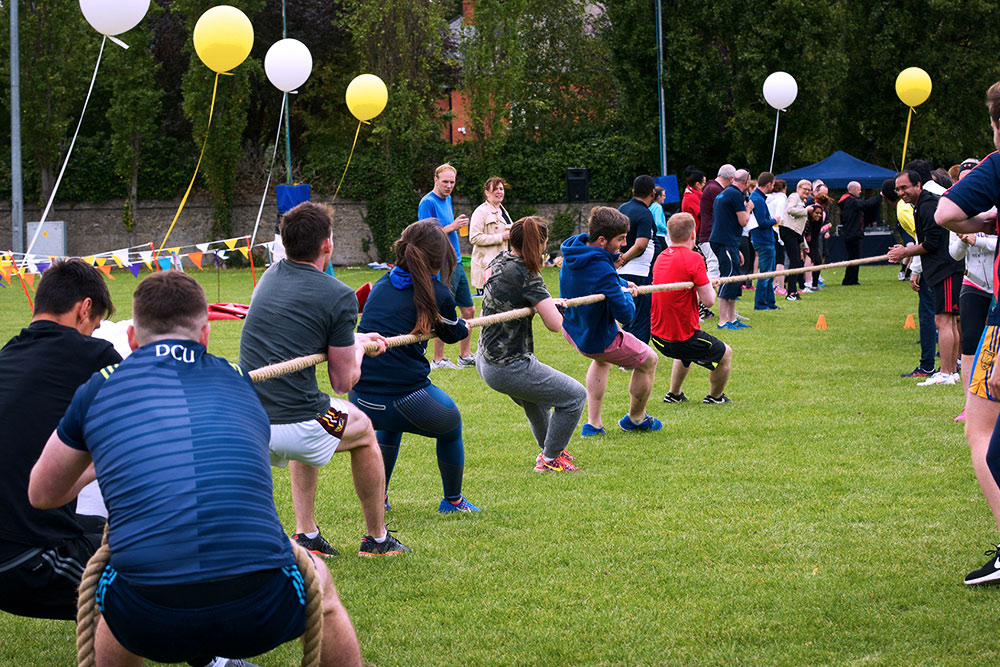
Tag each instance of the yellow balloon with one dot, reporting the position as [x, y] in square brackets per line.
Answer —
[366, 96]
[223, 37]
[913, 86]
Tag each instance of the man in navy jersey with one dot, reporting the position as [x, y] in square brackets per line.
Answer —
[200, 565]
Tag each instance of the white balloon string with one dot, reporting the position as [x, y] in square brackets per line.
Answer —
[777, 117]
[55, 188]
[117, 41]
[267, 186]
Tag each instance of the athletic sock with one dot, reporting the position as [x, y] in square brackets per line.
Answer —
[313, 534]
[382, 539]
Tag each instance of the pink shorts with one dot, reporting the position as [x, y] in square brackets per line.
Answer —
[626, 351]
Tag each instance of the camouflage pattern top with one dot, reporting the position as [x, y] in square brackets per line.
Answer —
[509, 286]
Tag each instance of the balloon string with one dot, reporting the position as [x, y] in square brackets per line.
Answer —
[356, 132]
[55, 188]
[267, 185]
[777, 117]
[906, 138]
[211, 111]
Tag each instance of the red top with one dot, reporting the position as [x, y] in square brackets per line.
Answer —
[691, 203]
[674, 315]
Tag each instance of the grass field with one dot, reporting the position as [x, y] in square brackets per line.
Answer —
[827, 516]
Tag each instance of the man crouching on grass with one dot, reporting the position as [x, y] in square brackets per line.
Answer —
[674, 319]
[199, 563]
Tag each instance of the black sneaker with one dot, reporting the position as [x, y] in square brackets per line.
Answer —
[712, 400]
[675, 398]
[704, 312]
[918, 372]
[316, 545]
[390, 547]
[987, 574]
[793, 297]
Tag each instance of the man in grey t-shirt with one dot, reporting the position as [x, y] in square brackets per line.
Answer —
[298, 310]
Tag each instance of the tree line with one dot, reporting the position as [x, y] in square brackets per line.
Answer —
[549, 84]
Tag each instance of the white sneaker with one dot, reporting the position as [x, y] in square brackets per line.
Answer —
[465, 362]
[444, 363]
[940, 378]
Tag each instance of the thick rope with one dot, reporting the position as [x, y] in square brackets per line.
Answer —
[312, 639]
[300, 363]
[87, 614]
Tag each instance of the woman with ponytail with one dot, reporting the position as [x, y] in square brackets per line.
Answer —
[394, 390]
[552, 401]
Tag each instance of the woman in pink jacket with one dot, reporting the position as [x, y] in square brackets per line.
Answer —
[489, 230]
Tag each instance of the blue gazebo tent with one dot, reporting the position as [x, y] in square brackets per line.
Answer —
[838, 170]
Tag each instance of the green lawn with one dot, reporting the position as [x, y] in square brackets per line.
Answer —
[827, 516]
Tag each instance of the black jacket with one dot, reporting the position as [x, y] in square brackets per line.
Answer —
[852, 214]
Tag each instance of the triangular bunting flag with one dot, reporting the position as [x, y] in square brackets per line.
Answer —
[203, 247]
[5, 271]
[41, 266]
[245, 251]
[30, 279]
[134, 268]
[164, 263]
[100, 261]
[230, 243]
[120, 257]
[173, 251]
[195, 258]
[146, 256]
[89, 259]
[106, 270]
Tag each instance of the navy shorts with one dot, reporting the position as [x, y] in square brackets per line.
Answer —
[251, 615]
[460, 288]
[729, 265]
[701, 348]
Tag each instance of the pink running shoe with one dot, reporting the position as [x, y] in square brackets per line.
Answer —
[779, 290]
[961, 417]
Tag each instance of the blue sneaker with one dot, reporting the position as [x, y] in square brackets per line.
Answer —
[647, 424]
[588, 431]
[742, 325]
[732, 326]
[463, 506]
[821, 283]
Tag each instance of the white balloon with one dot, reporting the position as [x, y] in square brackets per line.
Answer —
[113, 17]
[780, 90]
[288, 64]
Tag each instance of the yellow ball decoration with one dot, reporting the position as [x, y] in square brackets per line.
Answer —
[223, 38]
[366, 96]
[913, 86]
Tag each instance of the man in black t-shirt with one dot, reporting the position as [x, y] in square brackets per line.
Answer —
[636, 259]
[43, 552]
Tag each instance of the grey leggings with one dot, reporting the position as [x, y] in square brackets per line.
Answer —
[553, 401]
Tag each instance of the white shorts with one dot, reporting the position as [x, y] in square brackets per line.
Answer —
[312, 442]
[711, 261]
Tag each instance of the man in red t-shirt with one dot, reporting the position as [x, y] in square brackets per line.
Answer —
[674, 323]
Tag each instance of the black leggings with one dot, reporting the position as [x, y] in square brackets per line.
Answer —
[793, 246]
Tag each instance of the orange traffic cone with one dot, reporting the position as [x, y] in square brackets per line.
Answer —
[908, 324]
[821, 322]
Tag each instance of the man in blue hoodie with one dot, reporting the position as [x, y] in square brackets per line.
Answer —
[589, 268]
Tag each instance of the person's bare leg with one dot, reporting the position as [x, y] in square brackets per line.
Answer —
[367, 469]
[677, 374]
[304, 478]
[727, 310]
[779, 281]
[641, 386]
[465, 345]
[980, 417]
[718, 378]
[597, 385]
[108, 652]
[438, 349]
[947, 341]
[340, 642]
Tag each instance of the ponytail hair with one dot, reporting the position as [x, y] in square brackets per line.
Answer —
[422, 250]
[526, 237]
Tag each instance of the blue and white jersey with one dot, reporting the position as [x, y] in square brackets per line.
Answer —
[179, 441]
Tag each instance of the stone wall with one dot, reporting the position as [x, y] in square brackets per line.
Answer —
[96, 227]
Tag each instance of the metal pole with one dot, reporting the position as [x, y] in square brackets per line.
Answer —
[659, 88]
[16, 190]
[286, 102]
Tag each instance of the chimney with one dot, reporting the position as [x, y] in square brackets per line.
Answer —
[468, 8]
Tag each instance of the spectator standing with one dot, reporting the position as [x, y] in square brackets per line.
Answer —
[791, 226]
[762, 238]
[712, 190]
[489, 229]
[691, 201]
[731, 213]
[852, 214]
[636, 259]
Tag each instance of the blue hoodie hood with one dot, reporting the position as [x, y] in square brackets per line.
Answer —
[587, 270]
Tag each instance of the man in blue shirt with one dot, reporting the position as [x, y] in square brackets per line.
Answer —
[192, 522]
[436, 204]
[762, 238]
[731, 214]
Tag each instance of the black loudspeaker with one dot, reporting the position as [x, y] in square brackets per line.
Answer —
[577, 184]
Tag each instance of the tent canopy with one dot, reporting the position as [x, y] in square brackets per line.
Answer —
[838, 170]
